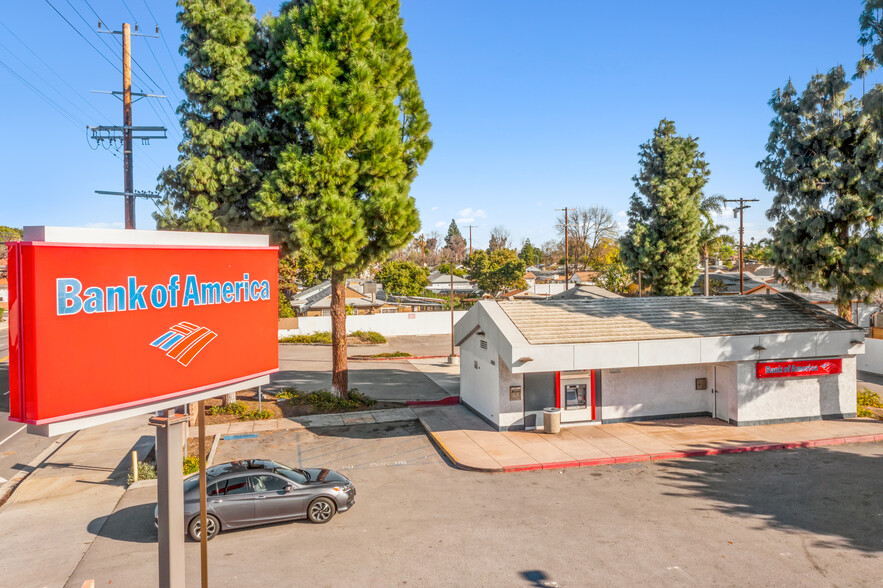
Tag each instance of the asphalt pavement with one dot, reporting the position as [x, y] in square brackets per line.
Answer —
[808, 517]
[17, 448]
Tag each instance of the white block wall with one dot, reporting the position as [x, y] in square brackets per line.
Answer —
[872, 360]
[388, 324]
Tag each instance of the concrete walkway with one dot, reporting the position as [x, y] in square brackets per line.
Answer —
[445, 376]
[53, 516]
[471, 444]
[320, 420]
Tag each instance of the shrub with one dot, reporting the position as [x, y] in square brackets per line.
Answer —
[325, 400]
[869, 399]
[393, 354]
[285, 308]
[370, 336]
[146, 471]
[320, 337]
[236, 408]
[2, 310]
[863, 412]
[256, 415]
[191, 464]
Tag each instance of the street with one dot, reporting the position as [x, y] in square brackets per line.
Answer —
[805, 517]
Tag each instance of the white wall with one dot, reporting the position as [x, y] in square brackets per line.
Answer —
[390, 325]
[872, 360]
[767, 399]
[546, 288]
[511, 411]
[654, 391]
[479, 378]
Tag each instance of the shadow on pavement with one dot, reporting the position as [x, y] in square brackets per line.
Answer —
[371, 431]
[133, 524]
[383, 382]
[818, 491]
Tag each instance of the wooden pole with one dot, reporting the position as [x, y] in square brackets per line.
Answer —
[128, 181]
[203, 516]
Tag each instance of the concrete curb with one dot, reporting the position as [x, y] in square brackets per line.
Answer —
[9, 487]
[645, 456]
[439, 444]
[142, 484]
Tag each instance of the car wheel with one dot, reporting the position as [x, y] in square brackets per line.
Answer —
[211, 524]
[321, 510]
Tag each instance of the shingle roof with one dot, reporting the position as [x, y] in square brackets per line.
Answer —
[676, 317]
[585, 291]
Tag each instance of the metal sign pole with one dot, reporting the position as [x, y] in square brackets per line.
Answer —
[170, 497]
[203, 515]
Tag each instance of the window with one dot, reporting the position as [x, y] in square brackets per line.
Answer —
[388, 310]
[237, 486]
[216, 489]
[326, 312]
[268, 483]
[575, 396]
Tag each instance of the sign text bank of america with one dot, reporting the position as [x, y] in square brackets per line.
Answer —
[74, 298]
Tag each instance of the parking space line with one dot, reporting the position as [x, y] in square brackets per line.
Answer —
[17, 431]
[5, 358]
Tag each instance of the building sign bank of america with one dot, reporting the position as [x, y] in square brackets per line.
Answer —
[103, 321]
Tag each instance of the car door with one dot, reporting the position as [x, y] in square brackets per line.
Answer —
[235, 507]
[273, 503]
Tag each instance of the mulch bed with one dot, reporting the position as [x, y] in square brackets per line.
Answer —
[279, 408]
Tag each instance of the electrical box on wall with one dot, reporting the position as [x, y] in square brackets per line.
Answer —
[702, 383]
[514, 392]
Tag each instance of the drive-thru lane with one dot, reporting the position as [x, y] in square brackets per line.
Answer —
[17, 448]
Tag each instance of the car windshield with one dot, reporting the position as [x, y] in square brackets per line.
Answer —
[297, 476]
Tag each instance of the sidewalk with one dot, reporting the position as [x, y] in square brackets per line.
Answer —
[364, 417]
[53, 516]
[473, 445]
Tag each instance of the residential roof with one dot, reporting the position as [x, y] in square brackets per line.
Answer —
[529, 275]
[589, 291]
[676, 317]
[437, 277]
[730, 280]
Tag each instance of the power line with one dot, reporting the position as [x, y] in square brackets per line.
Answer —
[37, 91]
[45, 81]
[164, 39]
[76, 30]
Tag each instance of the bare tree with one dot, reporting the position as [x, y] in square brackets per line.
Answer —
[592, 231]
[500, 238]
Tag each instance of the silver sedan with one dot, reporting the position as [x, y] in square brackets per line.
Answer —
[256, 492]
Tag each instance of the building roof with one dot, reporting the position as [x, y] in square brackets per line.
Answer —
[586, 291]
[676, 317]
[529, 275]
[438, 278]
[730, 280]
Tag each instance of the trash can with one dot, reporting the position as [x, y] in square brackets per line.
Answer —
[551, 420]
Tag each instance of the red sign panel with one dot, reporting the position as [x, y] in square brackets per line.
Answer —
[795, 369]
[100, 328]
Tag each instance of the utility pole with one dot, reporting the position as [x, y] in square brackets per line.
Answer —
[566, 247]
[470, 239]
[740, 212]
[126, 133]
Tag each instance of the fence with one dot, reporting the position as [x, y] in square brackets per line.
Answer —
[388, 325]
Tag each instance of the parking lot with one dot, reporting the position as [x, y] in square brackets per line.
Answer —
[806, 517]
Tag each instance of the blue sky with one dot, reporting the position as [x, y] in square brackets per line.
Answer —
[535, 106]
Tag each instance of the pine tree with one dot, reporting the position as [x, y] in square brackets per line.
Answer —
[822, 167]
[346, 92]
[453, 230]
[664, 219]
[210, 187]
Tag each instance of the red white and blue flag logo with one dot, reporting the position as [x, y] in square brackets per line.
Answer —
[184, 341]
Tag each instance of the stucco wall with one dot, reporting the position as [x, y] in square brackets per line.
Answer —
[772, 399]
[872, 359]
[511, 411]
[653, 391]
[479, 378]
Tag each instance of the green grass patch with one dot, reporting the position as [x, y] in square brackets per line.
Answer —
[325, 400]
[393, 354]
[368, 336]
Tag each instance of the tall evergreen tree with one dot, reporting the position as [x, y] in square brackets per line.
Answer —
[210, 187]
[347, 92]
[453, 230]
[823, 166]
[664, 219]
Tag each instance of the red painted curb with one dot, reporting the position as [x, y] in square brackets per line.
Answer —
[670, 455]
[859, 439]
[447, 401]
[632, 458]
[597, 461]
[560, 465]
[523, 468]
